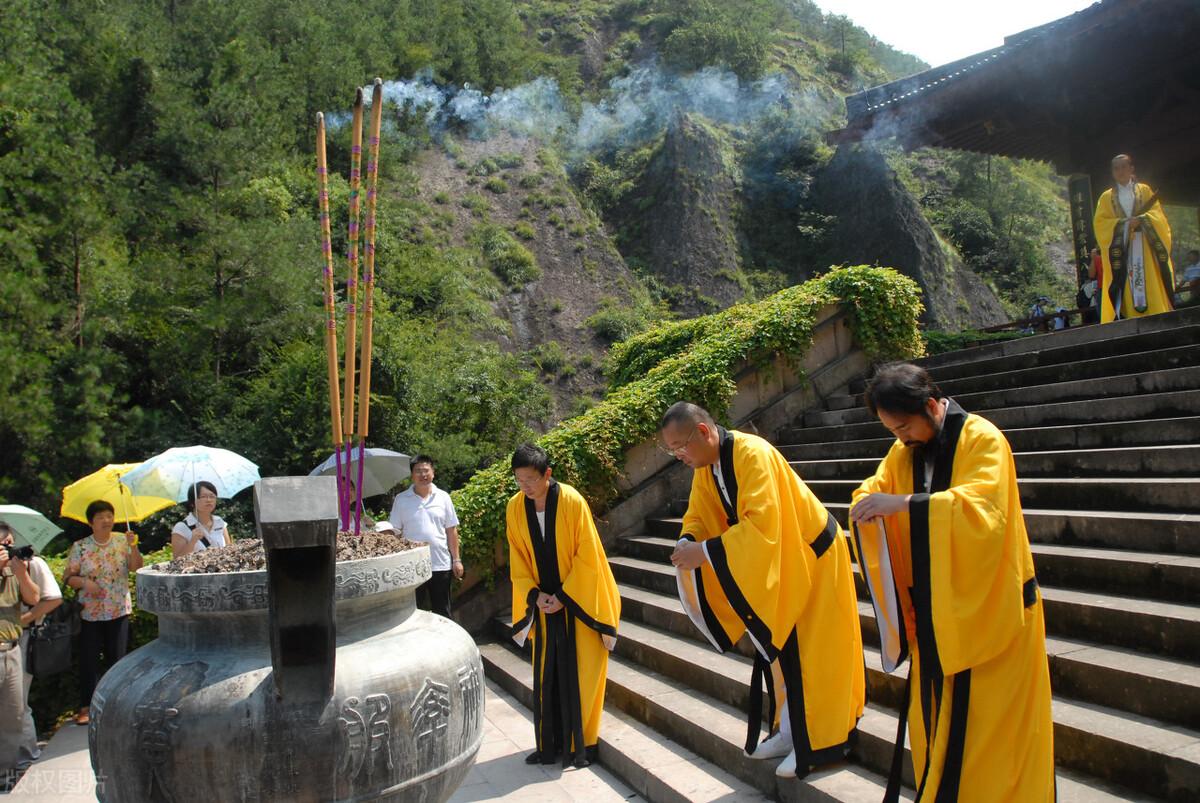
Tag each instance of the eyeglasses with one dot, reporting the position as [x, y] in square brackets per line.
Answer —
[679, 451]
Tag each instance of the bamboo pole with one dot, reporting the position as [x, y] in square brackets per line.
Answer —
[352, 294]
[368, 341]
[331, 347]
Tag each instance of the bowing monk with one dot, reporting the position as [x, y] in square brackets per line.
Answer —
[941, 539]
[761, 555]
[1135, 246]
[565, 599]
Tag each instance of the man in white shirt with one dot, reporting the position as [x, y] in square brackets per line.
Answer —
[425, 513]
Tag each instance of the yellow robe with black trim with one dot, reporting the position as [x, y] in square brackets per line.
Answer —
[1160, 279]
[978, 641]
[782, 571]
[586, 587]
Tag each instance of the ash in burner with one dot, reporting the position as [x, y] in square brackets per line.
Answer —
[247, 555]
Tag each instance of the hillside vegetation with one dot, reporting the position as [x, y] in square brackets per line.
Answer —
[159, 243]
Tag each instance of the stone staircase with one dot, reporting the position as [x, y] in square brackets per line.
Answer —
[1105, 424]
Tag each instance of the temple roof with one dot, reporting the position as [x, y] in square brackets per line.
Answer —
[1121, 76]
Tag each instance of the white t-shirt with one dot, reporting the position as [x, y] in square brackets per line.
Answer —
[716, 470]
[43, 578]
[426, 520]
[541, 517]
[216, 535]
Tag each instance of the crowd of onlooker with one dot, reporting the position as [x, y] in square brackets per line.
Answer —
[98, 568]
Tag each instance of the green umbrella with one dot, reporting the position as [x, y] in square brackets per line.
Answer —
[31, 527]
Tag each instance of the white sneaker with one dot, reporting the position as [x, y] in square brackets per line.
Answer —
[776, 746]
[787, 767]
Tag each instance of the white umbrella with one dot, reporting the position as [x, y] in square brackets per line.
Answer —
[383, 469]
[173, 472]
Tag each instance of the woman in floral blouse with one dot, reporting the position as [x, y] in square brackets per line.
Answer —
[98, 568]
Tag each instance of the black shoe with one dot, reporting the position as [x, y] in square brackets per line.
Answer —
[534, 758]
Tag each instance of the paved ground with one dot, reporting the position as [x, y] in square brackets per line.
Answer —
[500, 772]
[64, 773]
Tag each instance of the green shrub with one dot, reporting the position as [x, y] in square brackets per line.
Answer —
[509, 161]
[549, 357]
[476, 203]
[497, 185]
[588, 451]
[441, 198]
[524, 231]
[529, 181]
[615, 321]
[512, 262]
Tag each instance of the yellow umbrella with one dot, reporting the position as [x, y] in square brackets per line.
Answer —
[106, 484]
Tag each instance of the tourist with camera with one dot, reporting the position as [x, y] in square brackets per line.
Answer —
[16, 587]
[98, 569]
[49, 598]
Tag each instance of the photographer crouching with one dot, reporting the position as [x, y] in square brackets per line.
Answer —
[16, 586]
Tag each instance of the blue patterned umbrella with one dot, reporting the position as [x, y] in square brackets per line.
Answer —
[171, 473]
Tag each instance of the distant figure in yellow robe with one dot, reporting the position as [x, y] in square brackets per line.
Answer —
[1135, 244]
[565, 599]
[970, 614]
[759, 554]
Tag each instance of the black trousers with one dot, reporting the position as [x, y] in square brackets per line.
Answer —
[434, 594]
[110, 639]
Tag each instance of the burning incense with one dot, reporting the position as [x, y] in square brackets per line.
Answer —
[331, 348]
[352, 295]
[364, 392]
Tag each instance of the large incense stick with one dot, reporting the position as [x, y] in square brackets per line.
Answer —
[364, 390]
[331, 348]
[352, 293]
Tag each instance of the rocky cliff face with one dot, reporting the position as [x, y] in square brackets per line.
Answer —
[513, 184]
[680, 221]
[879, 222]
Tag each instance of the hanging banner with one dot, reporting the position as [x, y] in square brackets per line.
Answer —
[1079, 193]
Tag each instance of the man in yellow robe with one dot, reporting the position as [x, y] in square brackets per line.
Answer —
[565, 599]
[760, 554]
[1135, 244]
[953, 539]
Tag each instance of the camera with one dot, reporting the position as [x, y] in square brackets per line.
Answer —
[22, 552]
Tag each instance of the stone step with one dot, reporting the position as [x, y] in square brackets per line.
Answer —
[1174, 404]
[1154, 686]
[1161, 495]
[1058, 386]
[1167, 629]
[1066, 355]
[1167, 577]
[725, 678]
[659, 770]
[1151, 686]
[1134, 461]
[1149, 432]
[1171, 323]
[1174, 533]
[1184, 355]
[697, 727]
